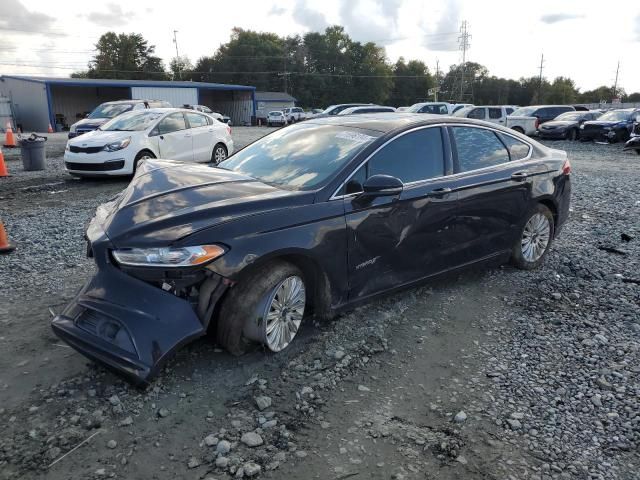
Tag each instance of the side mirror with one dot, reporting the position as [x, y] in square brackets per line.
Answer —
[382, 186]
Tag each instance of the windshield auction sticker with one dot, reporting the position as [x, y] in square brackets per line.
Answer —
[355, 137]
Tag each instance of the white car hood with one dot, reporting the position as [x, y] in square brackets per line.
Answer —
[98, 138]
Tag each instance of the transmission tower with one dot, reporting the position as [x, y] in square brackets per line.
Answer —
[464, 45]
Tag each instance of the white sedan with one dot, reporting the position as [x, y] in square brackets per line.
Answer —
[170, 133]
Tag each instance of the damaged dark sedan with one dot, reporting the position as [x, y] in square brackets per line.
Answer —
[308, 221]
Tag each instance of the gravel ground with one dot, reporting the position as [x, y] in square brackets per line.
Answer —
[493, 373]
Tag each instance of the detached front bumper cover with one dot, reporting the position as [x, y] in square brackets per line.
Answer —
[128, 325]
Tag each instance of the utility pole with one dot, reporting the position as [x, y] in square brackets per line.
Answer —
[463, 41]
[615, 85]
[540, 79]
[284, 74]
[437, 79]
[175, 40]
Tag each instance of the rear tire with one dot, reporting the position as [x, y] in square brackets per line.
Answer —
[572, 135]
[243, 310]
[535, 238]
[218, 154]
[518, 129]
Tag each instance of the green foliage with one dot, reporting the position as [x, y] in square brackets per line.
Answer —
[411, 83]
[125, 56]
[180, 67]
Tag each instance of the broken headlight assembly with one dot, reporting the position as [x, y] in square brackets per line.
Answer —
[168, 257]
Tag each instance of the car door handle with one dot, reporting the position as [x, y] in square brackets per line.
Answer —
[161, 137]
[439, 192]
[519, 176]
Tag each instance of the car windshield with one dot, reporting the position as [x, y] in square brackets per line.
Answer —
[300, 157]
[462, 112]
[615, 116]
[523, 112]
[132, 122]
[110, 110]
[570, 116]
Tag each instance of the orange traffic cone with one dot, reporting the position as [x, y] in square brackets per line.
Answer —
[50, 129]
[5, 245]
[9, 139]
[3, 168]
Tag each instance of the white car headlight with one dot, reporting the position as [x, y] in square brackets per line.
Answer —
[72, 128]
[115, 146]
[168, 256]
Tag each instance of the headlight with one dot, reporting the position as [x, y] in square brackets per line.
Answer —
[114, 147]
[72, 128]
[582, 127]
[66, 148]
[168, 256]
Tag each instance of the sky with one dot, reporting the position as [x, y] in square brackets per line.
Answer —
[582, 39]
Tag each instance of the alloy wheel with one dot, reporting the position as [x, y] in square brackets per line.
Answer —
[219, 154]
[535, 237]
[284, 313]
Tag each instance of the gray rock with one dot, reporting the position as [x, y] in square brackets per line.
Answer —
[223, 447]
[263, 402]
[112, 444]
[301, 453]
[193, 462]
[597, 400]
[126, 422]
[362, 388]
[211, 440]
[251, 469]
[163, 412]
[114, 400]
[460, 417]
[222, 462]
[251, 439]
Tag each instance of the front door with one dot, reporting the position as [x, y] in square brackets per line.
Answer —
[395, 240]
[175, 141]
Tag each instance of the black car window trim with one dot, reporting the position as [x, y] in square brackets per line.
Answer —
[446, 152]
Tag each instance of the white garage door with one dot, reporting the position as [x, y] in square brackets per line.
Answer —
[176, 96]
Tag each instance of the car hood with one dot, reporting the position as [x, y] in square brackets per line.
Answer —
[99, 138]
[560, 123]
[91, 122]
[520, 117]
[167, 201]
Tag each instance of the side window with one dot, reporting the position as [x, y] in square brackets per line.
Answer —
[411, 157]
[477, 113]
[509, 111]
[495, 113]
[517, 149]
[209, 120]
[542, 113]
[442, 110]
[172, 123]
[196, 120]
[478, 148]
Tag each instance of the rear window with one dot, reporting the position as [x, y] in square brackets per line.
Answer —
[524, 112]
[478, 148]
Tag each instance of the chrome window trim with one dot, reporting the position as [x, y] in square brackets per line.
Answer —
[335, 195]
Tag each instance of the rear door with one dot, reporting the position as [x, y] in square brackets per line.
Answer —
[496, 115]
[395, 240]
[203, 137]
[493, 191]
[174, 138]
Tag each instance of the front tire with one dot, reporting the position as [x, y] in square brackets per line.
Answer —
[534, 240]
[267, 307]
[219, 153]
[572, 135]
[141, 156]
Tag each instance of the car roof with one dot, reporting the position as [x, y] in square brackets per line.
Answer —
[388, 122]
[114, 102]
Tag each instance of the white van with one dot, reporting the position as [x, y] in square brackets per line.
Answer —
[437, 108]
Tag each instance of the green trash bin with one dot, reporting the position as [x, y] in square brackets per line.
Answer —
[33, 153]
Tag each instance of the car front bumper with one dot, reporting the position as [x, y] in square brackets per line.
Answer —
[557, 133]
[101, 163]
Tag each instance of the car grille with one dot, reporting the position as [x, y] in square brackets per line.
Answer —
[75, 149]
[593, 128]
[80, 131]
[95, 167]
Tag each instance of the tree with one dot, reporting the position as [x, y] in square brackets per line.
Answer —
[562, 91]
[180, 67]
[125, 56]
[411, 82]
[459, 81]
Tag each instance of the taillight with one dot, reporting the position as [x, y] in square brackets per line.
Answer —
[229, 129]
[537, 123]
[566, 168]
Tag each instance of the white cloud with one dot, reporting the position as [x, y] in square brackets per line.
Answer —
[15, 17]
[114, 17]
[559, 17]
[308, 17]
